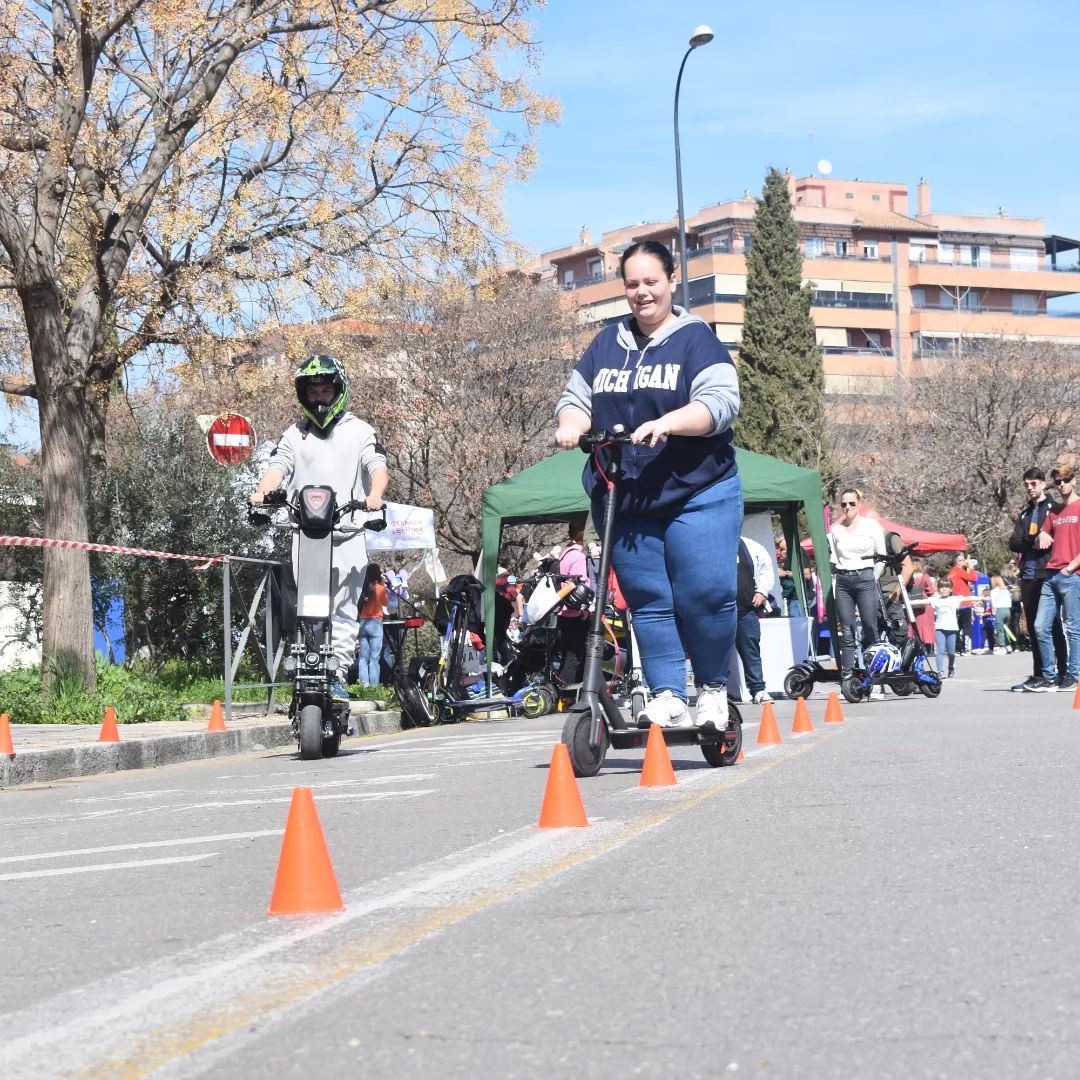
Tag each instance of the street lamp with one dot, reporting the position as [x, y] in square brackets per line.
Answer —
[702, 35]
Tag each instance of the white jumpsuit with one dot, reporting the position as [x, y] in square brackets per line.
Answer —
[342, 459]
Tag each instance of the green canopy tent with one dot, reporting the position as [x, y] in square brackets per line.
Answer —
[551, 491]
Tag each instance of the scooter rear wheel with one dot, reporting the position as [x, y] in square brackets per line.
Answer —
[719, 755]
[931, 689]
[586, 759]
[311, 733]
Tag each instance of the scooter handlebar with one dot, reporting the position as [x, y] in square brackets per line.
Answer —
[592, 439]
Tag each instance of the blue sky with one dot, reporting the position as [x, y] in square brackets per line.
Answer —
[981, 99]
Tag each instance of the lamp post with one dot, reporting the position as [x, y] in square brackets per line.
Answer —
[702, 35]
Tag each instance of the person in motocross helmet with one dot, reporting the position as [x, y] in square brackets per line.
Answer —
[332, 447]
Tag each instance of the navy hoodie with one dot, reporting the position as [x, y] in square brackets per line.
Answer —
[616, 384]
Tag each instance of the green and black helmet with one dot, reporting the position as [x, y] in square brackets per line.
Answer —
[322, 371]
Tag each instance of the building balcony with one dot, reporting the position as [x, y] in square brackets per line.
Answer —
[1059, 326]
[1060, 282]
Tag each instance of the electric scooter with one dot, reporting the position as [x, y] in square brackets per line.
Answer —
[318, 722]
[595, 721]
[899, 660]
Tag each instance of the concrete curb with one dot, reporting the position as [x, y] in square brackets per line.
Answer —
[92, 758]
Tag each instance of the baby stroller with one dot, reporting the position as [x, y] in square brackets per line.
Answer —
[535, 659]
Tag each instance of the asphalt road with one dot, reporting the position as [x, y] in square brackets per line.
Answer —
[895, 897]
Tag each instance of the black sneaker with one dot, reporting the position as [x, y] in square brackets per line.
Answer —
[1020, 687]
[1066, 684]
[1039, 685]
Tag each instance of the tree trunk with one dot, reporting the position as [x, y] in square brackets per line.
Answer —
[68, 644]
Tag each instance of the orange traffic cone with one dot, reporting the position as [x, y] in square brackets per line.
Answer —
[742, 755]
[833, 713]
[656, 770]
[802, 718]
[1076, 697]
[562, 807]
[108, 726]
[6, 746]
[217, 717]
[305, 882]
[768, 733]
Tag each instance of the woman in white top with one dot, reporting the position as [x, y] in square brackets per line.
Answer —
[855, 540]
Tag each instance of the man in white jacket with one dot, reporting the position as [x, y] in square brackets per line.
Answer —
[334, 448]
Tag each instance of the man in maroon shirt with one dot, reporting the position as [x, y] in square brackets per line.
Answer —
[963, 576]
[1060, 591]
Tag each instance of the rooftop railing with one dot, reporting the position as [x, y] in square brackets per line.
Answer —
[994, 262]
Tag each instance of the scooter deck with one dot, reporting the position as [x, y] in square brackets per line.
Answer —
[634, 738]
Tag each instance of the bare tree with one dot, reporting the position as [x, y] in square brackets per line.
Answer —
[179, 167]
[947, 448]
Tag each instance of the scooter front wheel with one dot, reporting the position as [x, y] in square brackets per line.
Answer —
[853, 690]
[539, 700]
[930, 688]
[311, 733]
[797, 683]
[586, 759]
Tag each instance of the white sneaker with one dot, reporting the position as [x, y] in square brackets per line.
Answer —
[877, 692]
[667, 711]
[712, 707]
[760, 698]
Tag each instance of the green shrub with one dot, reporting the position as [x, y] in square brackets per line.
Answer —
[134, 696]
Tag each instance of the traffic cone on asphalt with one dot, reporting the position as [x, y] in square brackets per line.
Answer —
[6, 746]
[833, 713]
[802, 723]
[1076, 697]
[768, 734]
[741, 757]
[306, 883]
[217, 717]
[109, 732]
[656, 771]
[562, 807]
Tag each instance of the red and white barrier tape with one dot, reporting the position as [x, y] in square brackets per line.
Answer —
[108, 549]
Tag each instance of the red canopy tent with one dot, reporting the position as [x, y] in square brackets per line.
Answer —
[928, 542]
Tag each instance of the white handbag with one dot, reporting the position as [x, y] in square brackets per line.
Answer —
[543, 599]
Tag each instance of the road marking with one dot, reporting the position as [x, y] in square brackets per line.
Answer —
[136, 865]
[188, 1003]
[182, 842]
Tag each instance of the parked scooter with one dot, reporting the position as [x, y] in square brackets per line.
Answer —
[318, 722]
[596, 721]
[899, 659]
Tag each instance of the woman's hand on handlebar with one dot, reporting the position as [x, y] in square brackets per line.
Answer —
[652, 432]
[569, 434]
[374, 502]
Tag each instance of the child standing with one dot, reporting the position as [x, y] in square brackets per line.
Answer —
[1001, 601]
[947, 627]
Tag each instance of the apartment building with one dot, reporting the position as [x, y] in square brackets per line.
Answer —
[892, 289]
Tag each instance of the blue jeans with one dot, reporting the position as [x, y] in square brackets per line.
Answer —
[369, 644]
[794, 609]
[1059, 594]
[946, 646]
[748, 646]
[678, 574]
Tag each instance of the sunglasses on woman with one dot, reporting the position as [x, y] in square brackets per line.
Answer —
[843, 505]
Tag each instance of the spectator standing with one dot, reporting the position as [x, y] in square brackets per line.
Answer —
[923, 586]
[664, 376]
[1060, 591]
[1033, 571]
[855, 540]
[373, 601]
[755, 583]
[1001, 602]
[789, 591]
[1010, 574]
[573, 622]
[962, 575]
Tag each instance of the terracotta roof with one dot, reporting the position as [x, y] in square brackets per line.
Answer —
[887, 219]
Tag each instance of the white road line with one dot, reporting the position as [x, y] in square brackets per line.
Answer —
[136, 865]
[181, 842]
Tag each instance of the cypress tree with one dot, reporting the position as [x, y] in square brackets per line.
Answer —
[780, 373]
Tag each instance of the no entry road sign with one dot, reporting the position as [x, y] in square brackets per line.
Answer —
[230, 439]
